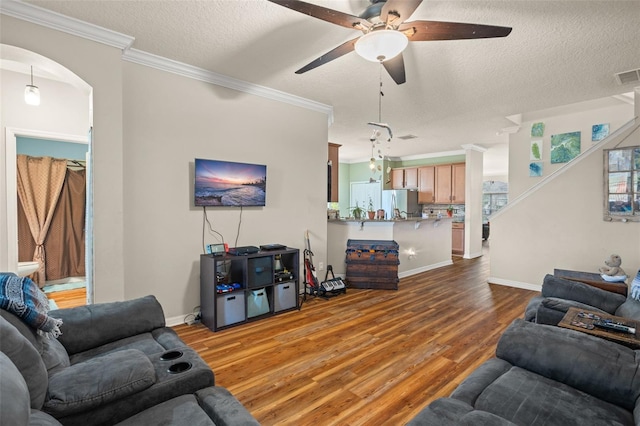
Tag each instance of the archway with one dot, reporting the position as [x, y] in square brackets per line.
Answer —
[65, 114]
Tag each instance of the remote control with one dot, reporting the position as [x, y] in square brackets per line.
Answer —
[614, 326]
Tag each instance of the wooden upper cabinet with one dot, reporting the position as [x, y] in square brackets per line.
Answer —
[443, 184]
[332, 173]
[404, 178]
[449, 183]
[411, 178]
[426, 185]
[458, 182]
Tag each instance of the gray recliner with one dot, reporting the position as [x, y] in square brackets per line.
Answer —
[545, 375]
[115, 362]
[558, 295]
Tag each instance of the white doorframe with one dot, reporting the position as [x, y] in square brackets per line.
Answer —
[11, 135]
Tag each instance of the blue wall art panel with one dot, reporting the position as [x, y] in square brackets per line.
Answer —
[599, 132]
[535, 169]
[565, 147]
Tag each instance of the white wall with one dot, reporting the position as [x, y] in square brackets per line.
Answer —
[100, 66]
[560, 225]
[148, 128]
[169, 121]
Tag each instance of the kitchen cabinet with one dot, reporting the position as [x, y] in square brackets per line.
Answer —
[426, 184]
[405, 178]
[449, 183]
[457, 238]
[332, 173]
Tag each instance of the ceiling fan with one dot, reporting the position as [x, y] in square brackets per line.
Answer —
[386, 34]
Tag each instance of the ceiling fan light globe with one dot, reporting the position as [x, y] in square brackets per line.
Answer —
[381, 45]
[32, 95]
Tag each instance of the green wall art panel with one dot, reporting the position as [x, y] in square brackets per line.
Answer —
[535, 153]
[565, 147]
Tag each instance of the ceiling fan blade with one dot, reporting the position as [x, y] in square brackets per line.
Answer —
[395, 68]
[323, 13]
[341, 50]
[400, 10]
[438, 30]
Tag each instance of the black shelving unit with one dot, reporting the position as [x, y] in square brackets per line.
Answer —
[238, 289]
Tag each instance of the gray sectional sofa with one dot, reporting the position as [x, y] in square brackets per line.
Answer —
[558, 295]
[114, 363]
[545, 375]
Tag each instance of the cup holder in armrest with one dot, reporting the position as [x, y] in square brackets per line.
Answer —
[179, 367]
[168, 356]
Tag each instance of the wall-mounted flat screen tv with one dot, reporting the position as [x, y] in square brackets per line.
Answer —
[225, 183]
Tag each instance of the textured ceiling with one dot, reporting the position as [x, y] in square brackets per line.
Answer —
[457, 92]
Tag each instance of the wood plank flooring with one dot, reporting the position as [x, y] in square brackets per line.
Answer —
[69, 298]
[369, 357]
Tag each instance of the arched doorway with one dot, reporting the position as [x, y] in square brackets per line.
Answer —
[65, 114]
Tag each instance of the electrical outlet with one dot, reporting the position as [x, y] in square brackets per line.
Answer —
[320, 266]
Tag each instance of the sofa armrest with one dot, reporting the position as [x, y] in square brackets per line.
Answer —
[90, 326]
[223, 408]
[571, 357]
[84, 386]
[441, 412]
[581, 292]
[474, 384]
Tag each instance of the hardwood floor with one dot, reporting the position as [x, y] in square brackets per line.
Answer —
[69, 298]
[369, 357]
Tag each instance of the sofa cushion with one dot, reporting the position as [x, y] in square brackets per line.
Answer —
[99, 381]
[581, 292]
[441, 412]
[475, 383]
[40, 418]
[563, 305]
[14, 394]
[629, 309]
[26, 359]
[90, 326]
[524, 397]
[151, 343]
[53, 355]
[224, 408]
[570, 357]
[182, 410]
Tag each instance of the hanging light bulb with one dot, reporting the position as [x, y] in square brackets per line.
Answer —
[32, 93]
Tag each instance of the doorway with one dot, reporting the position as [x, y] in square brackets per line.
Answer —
[64, 115]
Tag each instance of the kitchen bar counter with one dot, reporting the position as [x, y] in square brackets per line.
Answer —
[425, 243]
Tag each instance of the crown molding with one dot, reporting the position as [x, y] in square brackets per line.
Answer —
[47, 18]
[473, 147]
[168, 65]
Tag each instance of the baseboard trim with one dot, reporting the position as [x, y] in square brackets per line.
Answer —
[516, 284]
[411, 272]
[179, 320]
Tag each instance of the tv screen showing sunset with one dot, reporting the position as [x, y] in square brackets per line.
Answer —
[225, 183]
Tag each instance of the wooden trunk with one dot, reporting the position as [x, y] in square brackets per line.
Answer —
[372, 264]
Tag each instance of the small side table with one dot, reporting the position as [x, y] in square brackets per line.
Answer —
[572, 318]
[592, 279]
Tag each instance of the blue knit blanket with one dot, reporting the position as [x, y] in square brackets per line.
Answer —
[22, 297]
[635, 287]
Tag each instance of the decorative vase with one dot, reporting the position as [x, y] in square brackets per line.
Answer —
[372, 215]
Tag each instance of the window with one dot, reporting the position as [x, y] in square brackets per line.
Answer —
[494, 196]
[622, 184]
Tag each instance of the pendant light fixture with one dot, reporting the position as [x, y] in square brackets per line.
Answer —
[32, 93]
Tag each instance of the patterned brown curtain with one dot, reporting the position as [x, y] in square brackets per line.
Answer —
[40, 181]
[64, 244]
